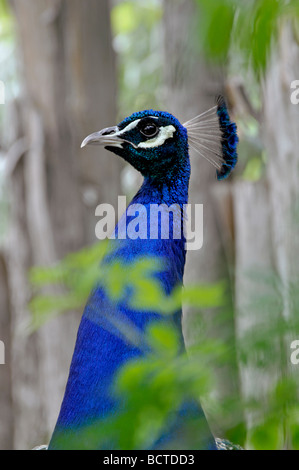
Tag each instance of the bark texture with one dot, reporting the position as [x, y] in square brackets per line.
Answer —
[68, 70]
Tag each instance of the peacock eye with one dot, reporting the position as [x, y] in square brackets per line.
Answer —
[149, 129]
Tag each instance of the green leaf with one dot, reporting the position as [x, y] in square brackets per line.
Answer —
[267, 436]
[215, 25]
[163, 339]
[204, 296]
[254, 169]
[250, 29]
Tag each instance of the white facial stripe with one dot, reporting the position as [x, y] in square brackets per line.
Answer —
[132, 125]
[164, 134]
[129, 127]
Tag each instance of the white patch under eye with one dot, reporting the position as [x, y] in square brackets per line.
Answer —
[164, 134]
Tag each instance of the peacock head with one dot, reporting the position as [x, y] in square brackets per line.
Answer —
[156, 143]
[153, 142]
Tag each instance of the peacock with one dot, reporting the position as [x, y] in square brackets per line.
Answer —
[157, 145]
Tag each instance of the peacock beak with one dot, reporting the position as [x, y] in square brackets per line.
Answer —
[108, 136]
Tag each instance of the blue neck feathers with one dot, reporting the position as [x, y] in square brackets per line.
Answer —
[99, 350]
[170, 189]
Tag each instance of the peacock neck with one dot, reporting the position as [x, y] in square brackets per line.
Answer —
[168, 188]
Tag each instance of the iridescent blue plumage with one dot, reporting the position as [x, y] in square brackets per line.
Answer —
[229, 140]
[156, 144]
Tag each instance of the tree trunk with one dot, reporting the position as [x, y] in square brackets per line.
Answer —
[6, 428]
[267, 242]
[254, 269]
[69, 92]
[282, 142]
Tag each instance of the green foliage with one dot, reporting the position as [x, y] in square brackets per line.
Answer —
[153, 388]
[7, 54]
[127, 15]
[8, 77]
[5, 20]
[216, 22]
[156, 384]
[247, 28]
[70, 283]
[80, 272]
[243, 35]
[253, 169]
[136, 26]
[281, 418]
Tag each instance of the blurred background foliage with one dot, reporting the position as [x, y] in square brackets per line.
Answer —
[255, 45]
[158, 383]
[140, 72]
